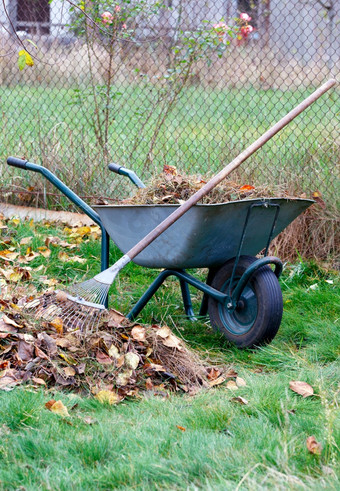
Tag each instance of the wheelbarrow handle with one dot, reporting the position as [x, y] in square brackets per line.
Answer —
[15, 162]
[123, 171]
[115, 167]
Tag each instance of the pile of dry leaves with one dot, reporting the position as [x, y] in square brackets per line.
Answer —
[120, 359]
[170, 187]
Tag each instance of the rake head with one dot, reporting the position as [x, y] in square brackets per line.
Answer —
[81, 308]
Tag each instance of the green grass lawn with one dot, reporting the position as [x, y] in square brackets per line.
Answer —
[208, 441]
[204, 131]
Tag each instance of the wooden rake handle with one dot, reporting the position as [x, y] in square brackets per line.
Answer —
[165, 224]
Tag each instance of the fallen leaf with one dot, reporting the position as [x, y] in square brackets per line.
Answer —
[131, 360]
[77, 259]
[114, 352]
[231, 385]
[301, 388]
[8, 380]
[180, 428]
[103, 358]
[69, 359]
[15, 277]
[231, 373]
[115, 318]
[213, 373]
[69, 371]
[107, 396]
[9, 321]
[148, 384]
[164, 332]
[246, 188]
[240, 400]
[173, 342]
[240, 382]
[59, 409]
[25, 351]
[38, 381]
[26, 240]
[44, 251]
[63, 257]
[313, 446]
[169, 169]
[8, 255]
[138, 333]
[90, 421]
[50, 403]
[57, 323]
[123, 378]
[217, 381]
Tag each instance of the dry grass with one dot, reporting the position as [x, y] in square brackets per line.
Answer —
[172, 188]
[60, 63]
[313, 235]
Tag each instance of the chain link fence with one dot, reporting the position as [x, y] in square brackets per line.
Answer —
[187, 83]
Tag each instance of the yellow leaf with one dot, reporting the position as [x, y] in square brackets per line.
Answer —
[68, 359]
[83, 231]
[62, 256]
[57, 323]
[15, 277]
[45, 251]
[25, 59]
[107, 396]
[59, 408]
[8, 255]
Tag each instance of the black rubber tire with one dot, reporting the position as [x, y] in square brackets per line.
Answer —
[259, 316]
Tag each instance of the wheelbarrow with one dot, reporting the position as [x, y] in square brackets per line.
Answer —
[241, 294]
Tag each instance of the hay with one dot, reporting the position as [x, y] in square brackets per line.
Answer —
[170, 187]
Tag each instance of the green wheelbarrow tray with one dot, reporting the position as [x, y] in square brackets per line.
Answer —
[206, 236]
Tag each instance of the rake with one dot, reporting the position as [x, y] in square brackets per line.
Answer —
[82, 305]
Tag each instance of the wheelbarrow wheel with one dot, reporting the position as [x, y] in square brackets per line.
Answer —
[258, 314]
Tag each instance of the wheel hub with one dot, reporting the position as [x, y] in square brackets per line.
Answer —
[239, 319]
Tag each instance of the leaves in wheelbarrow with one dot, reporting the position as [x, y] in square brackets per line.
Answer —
[117, 361]
[174, 188]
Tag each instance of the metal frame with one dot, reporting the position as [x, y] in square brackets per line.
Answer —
[229, 299]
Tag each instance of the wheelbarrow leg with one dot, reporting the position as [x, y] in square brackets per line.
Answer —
[204, 305]
[187, 300]
[148, 294]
